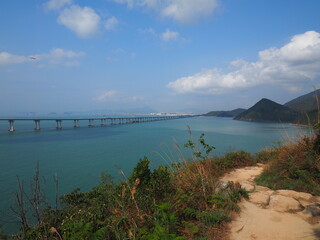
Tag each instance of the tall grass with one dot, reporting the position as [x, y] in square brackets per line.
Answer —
[296, 165]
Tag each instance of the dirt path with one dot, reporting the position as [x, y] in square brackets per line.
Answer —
[273, 215]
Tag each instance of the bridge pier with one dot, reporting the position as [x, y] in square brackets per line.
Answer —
[59, 126]
[76, 123]
[37, 123]
[91, 123]
[11, 127]
[103, 123]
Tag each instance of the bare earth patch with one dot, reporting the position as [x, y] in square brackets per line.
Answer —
[274, 215]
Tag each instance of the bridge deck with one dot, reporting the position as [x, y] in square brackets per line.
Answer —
[104, 120]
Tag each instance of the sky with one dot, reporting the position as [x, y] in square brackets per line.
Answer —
[169, 55]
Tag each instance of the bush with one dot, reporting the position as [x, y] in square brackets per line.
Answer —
[294, 167]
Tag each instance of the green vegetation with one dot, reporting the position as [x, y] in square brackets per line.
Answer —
[305, 103]
[295, 167]
[268, 111]
[182, 201]
[301, 110]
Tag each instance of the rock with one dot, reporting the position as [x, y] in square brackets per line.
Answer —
[304, 203]
[294, 194]
[247, 185]
[284, 204]
[260, 198]
[227, 185]
[261, 188]
[313, 210]
[223, 185]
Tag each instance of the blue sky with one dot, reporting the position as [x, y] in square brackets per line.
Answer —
[170, 55]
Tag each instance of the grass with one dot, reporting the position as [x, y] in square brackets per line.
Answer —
[294, 167]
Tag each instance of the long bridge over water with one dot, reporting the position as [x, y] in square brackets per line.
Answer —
[103, 121]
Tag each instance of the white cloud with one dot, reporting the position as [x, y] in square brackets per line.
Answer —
[169, 35]
[57, 4]
[297, 62]
[186, 11]
[183, 11]
[9, 59]
[166, 36]
[55, 56]
[111, 23]
[107, 95]
[84, 21]
[58, 53]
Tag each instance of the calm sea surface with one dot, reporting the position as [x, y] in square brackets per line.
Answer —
[78, 156]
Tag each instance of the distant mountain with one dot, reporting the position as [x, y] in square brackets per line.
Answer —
[268, 111]
[305, 103]
[232, 113]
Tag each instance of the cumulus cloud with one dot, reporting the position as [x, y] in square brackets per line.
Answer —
[55, 56]
[183, 11]
[107, 95]
[57, 4]
[84, 21]
[295, 63]
[169, 35]
[111, 23]
[9, 59]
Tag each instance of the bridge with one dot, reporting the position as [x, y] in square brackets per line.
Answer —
[104, 121]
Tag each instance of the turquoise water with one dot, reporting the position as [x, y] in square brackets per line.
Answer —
[78, 156]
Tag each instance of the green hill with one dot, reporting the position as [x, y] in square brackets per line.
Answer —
[232, 113]
[268, 111]
[305, 103]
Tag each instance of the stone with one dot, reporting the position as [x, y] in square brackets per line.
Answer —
[247, 185]
[260, 198]
[294, 194]
[284, 204]
[223, 185]
[313, 210]
[261, 188]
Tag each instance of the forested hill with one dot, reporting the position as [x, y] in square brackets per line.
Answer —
[268, 111]
[305, 103]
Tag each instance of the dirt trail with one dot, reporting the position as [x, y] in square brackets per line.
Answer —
[273, 215]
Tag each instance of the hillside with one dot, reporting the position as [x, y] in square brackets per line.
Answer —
[268, 111]
[305, 103]
[232, 113]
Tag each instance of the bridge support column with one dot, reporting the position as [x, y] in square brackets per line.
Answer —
[76, 123]
[91, 123]
[11, 127]
[37, 123]
[58, 125]
[103, 123]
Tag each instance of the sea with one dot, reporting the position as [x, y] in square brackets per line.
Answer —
[78, 156]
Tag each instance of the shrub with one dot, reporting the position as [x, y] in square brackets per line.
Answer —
[294, 167]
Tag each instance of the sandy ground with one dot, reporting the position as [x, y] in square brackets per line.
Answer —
[272, 215]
